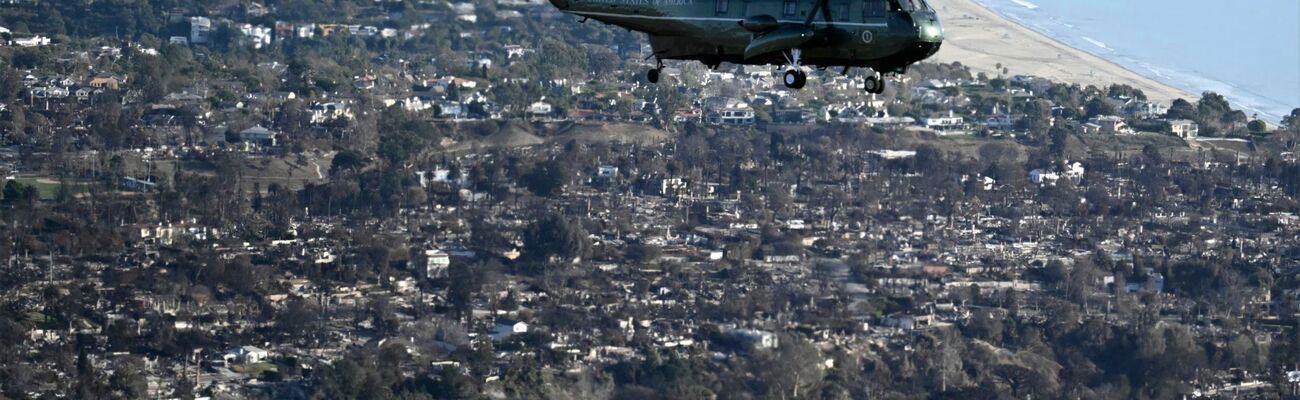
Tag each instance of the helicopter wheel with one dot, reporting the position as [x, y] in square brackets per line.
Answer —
[795, 79]
[652, 75]
[875, 84]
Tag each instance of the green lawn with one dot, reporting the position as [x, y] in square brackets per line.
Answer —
[49, 187]
[255, 369]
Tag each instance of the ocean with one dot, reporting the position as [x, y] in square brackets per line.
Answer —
[1248, 51]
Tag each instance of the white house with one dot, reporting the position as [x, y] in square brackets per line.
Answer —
[1042, 177]
[305, 31]
[541, 108]
[200, 30]
[506, 328]
[414, 104]
[1000, 122]
[436, 263]
[258, 135]
[330, 111]
[1185, 129]
[950, 122]
[733, 116]
[516, 51]
[1074, 170]
[246, 354]
[255, 35]
[1144, 109]
[673, 186]
[1107, 124]
[33, 41]
[728, 111]
[757, 339]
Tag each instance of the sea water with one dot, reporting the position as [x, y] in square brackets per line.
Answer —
[1246, 50]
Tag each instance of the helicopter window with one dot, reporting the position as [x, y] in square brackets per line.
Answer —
[899, 5]
[791, 7]
[915, 5]
[873, 9]
[842, 12]
[722, 6]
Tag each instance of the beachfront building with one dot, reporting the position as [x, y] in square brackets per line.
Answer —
[1185, 129]
[949, 122]
[728, 111]
[1110, 124]
[200, 30]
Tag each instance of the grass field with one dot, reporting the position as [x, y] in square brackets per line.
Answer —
[255, 369]
[49, 187]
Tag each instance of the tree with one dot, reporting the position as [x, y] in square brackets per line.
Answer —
[1292, 121]
[1257, 126]
[396, 147]
[998, 152]
[346, 160]
[127, 382]
[547, 178]
[1234, 119]
[1151, 155]
[17, 193]
[298, 320]
[1212, 106]
[794, 370]
[1182, 109]
[10, 84]
[1024, 382]
[998, 84]
[556, 236]
[1038, 117]
[1062, 145]
[929, 159]
[1098, 106]
[1118, 90]
[643, 253]
[603, 61]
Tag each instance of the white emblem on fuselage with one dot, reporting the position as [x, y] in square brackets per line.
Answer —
[867, 36]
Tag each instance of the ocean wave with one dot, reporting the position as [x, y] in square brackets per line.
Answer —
[1026, 4]
[1249, 101]
[1073, 33]
[1097, 43]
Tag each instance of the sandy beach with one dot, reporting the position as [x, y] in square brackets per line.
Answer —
[981, 39]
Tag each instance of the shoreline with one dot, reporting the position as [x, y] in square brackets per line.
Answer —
[980, 38]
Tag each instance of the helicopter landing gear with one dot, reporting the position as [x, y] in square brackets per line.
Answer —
[795, 78]
[875, 83]
[653, 74]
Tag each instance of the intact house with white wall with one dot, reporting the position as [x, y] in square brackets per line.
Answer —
[1185, 129]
